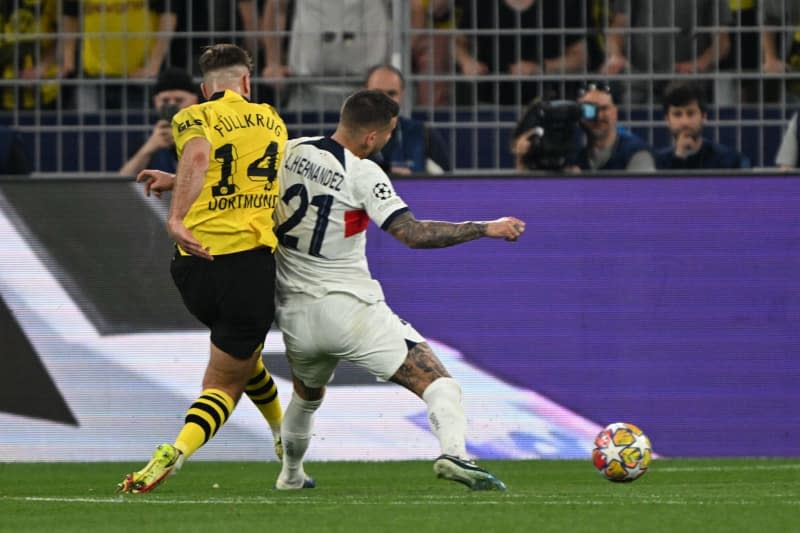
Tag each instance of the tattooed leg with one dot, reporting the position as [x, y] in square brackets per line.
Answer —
[423, 374]
[420, 369]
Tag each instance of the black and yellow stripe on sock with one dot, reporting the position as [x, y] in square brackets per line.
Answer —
[203, 419]
[263, 392]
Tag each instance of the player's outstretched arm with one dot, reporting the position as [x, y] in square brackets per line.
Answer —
[156, 181]
[433, 234]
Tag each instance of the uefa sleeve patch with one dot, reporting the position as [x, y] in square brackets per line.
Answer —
[382, 191]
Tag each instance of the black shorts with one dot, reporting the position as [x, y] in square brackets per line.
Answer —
[233, 295]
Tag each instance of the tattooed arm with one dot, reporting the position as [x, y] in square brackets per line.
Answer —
[433, 234]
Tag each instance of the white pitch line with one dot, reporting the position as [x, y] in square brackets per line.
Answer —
[658, 468]
[438, 500]
[301, 500]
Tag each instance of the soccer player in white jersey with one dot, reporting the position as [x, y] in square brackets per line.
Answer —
[330, 308]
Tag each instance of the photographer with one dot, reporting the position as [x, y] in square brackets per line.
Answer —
[609, 147]
[174, 90]
[545, 135]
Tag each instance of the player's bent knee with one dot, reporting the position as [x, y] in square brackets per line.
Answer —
[302, 391]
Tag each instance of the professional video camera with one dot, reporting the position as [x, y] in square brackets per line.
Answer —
[555, 127]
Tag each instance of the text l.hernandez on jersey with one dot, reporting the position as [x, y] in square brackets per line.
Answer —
[325, 176]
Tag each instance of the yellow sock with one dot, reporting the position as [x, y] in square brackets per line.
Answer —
[203, 419]
[261, 389]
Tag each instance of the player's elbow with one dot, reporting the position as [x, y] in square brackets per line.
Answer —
[199, 160]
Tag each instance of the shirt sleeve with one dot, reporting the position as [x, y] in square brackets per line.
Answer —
[188, 123]
[377, 195]
[787, 153]
[641, 161]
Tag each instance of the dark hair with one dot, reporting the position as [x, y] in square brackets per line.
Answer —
[597, 85]
[388, 67]
[174, 79]
[682, 93]
[219, 56]
[368, 109]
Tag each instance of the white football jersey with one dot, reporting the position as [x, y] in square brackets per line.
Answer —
[328, 196]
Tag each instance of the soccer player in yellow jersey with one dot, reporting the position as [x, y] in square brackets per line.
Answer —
[220, 217]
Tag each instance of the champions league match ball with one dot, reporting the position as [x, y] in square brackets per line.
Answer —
[622, 452]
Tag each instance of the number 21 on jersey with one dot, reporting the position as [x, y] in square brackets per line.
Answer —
[323, 204]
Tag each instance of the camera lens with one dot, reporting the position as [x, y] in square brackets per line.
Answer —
[588, 111]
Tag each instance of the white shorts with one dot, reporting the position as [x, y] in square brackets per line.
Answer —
[318, 332]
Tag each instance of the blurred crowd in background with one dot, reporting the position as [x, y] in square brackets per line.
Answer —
[88, 85]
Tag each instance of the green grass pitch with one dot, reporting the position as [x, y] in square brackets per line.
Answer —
[760, 495]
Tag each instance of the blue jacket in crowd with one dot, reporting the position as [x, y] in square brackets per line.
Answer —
[626, 145]
[165, 159]
[411, 144]
[710, 155]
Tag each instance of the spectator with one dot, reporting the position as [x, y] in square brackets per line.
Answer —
[29, 59]
[222, 20]
[334, 38]
[598, 17]
[174, 90]
[744, 56]
[413, 147]
[13, 159]
[781, 48]
[787, 156]
[688, 50]
[685, 115]
[609, 147]
[115, 46]
[431, 51]
[528, 54]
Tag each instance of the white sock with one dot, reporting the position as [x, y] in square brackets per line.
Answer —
[298, 421]
[446, 415]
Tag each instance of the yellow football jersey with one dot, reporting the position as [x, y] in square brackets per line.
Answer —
[116, 39]
[233, 212]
